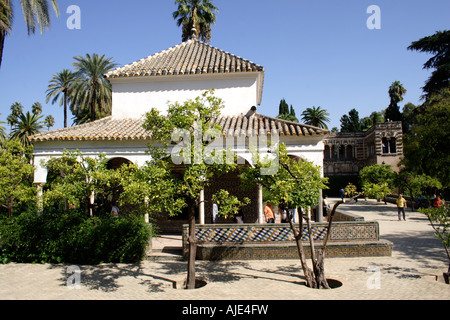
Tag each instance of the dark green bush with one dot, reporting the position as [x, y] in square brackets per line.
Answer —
[58, 237]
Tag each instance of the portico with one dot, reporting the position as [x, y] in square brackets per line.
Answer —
[177, 74]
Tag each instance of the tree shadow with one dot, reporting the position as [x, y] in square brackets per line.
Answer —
[107, 277]
[422, 246]
[398, 272]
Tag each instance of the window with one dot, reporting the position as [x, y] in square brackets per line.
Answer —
[349, 152]
[385, 145]
[389, 145]
[393, 145]
[327, 153]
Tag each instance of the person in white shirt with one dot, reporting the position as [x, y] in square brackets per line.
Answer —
[114, 211]
[215, 212]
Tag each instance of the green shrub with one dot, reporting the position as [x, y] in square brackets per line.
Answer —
[58, 237]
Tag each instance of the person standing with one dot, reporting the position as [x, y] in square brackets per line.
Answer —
[342, 193]
[215, 213]
[114, 211]
[438, 202]
[326, 206]
[268, 211]
[283, 212]
[401, 205]
[240, 217]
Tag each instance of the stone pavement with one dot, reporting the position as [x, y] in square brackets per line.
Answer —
[418, 257]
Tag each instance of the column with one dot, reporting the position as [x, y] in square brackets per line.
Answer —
[40, 198]
[201, 207]
[261, 218]
[91, 202]
[319, 210]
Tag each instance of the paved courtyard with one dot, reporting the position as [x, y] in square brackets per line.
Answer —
[418, 257]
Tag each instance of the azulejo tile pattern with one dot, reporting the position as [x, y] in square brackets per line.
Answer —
[251, 233]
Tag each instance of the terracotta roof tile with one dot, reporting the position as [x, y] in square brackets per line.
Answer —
[190, 57]
[132, 129]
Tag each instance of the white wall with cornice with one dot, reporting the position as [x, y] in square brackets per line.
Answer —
[133, 97]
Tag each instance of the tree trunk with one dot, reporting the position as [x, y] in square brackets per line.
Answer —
[2, 45]
[315, 279]
[10, 207]
[190, 282]
[309, 276]
[93, 104]
[66, 93]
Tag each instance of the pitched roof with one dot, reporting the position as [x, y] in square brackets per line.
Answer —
[190, 57]
[132, 129]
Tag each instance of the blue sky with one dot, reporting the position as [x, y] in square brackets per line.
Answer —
[315, 53]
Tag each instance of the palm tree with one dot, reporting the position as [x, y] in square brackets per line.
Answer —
[36, 13]
[29, 124]
[36, 108]
[2, 131]
[16, 110]
[6, 17]
[61, 84]
[316, 117]
[396, 92]
[92, 90]
[198, 14]
[49, 121]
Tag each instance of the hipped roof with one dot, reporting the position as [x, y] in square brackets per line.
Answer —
[111, 129]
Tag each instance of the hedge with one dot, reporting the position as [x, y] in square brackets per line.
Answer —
[70, 237]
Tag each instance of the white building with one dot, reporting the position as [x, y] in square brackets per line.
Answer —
[177, 74]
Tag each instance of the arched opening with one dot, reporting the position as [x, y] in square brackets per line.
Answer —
[295, 158]
[349, 152]
[327, 153]
[342, 153]
[335, 152]
[116, 163]
[385, 145]
[393, 145]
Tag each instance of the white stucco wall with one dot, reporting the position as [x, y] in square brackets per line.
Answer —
[134, 151]
[310, 149]
[133, 97]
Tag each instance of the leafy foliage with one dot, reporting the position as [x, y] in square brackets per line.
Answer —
[186, 128]
[423, 148]
[440, 221]
[70, 237]
[351, 122]
[438, 45]
[377, 174]
[376, 191]
[16, 174]
[350, 190]
[416, 185]
[296, 183]
[377, 180]
[228, 204]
